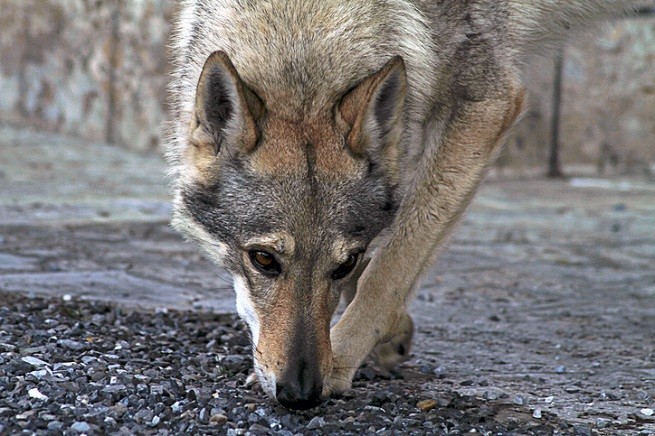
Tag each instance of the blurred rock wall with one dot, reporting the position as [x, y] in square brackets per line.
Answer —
[97, 69]
[607, 120]
[92, 68]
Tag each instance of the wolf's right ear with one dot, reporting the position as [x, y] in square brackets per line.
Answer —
[373, 110]
[226, 111]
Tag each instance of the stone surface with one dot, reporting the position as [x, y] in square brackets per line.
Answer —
[85, 67]
[141, 74]
[98, 70]
[52, 178]
[608, 98]
[55, 64]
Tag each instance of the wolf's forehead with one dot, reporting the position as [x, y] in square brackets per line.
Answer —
[299, 146]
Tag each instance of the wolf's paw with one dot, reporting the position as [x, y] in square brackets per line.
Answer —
[335, 386]
[252, 382]
[339, 380]
[390, 354]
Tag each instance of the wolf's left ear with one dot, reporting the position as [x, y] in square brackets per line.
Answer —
[226, 111]
[373, 112]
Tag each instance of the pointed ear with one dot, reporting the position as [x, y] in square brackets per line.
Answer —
[373, 111]
[226, 111]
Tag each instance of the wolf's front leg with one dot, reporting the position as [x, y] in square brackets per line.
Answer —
[389, 354]
[447, 177]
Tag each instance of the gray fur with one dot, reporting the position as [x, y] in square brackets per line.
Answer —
[535, 25]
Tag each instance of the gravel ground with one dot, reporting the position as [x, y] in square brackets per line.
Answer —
[70, 366]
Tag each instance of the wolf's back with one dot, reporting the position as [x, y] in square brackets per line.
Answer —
[539, 23]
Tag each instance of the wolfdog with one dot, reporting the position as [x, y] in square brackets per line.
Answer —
[326, 148]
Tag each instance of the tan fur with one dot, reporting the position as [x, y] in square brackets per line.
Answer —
[284, 144]
[279, 330]
[355, 116]
[201, 153]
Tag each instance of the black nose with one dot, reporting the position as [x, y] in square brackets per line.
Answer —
[292, 398]
[300, 388]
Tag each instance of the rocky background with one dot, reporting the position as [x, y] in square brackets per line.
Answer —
[97, 69]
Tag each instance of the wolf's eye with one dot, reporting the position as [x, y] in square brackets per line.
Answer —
[265, 262]
[345, 268]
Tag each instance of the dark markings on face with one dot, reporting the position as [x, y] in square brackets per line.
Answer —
[310, 159]
[386, 103]
[218, 105]
[241, 205]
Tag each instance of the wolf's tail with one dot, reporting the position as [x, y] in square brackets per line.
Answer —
[539, 23]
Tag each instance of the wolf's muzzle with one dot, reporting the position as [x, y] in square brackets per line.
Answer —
[300, 387]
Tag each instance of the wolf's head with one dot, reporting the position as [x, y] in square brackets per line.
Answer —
[289, 207]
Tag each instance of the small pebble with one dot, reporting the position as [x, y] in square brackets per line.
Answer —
[519, 400]
[34, 361]
[113, 389]
[141, 386]
[426, 405]
[582, 430]
[647, 412]
[55, 426]
[609, 396]
[259, 428]
[35, 393]
[156, 389]
[602, 422]
[7, 347]
[25, 415]
[490, 395]
[144, 415]
[218, 419]
[70, 344]
[234, 358]
[39, 374]
[316, 423]
[80, 427]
